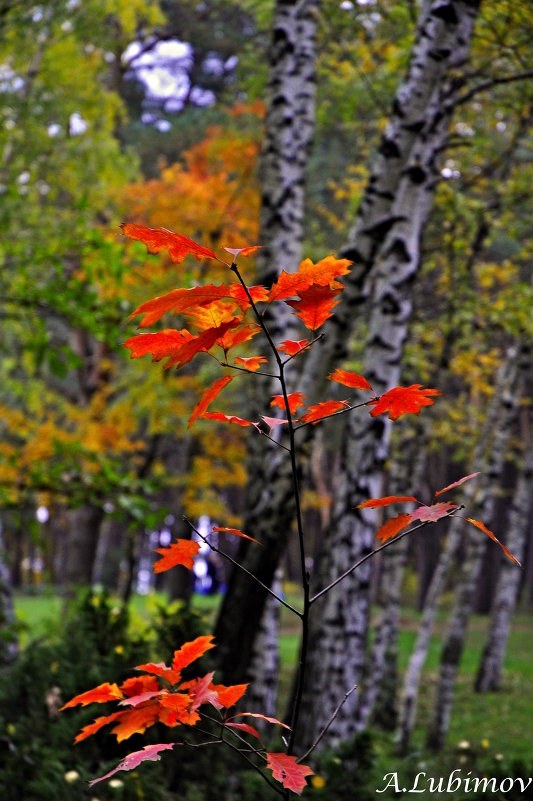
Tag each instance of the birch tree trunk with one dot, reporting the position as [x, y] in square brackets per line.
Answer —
[264, 668]
[475, 547]
[8, 640]
[388, 232]
[289, 128]
[488, 678]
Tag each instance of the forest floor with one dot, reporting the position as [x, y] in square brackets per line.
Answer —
[491, 729]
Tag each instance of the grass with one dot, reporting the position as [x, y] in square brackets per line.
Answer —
[495, 725]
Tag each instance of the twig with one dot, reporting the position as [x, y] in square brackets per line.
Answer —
[328, 724]
[335, 414]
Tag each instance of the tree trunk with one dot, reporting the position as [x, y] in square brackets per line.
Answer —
[408, 165]
[81, 539]
[475, 547]
[289, 128]
[265, 664]
[489, 673]
[8, 639]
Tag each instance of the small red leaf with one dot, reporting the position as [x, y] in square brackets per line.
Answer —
[257, 293]
[402, 400]
[136, 700]
[292, 346]
[295, 400]
[456, 483]
[285, 769]
[246, 251]
[392, 527]
[315, 305]
[349, 379]
[261, 717]
[208, 396]
[98, 695]
[273, 422]
[321, 410]
[95, 726]
[228, 418]
[433, 513]
[251, 363]
[133, 760]
[191, 651]
[158, 239]
[482, 527]
[385, 501]
[228, 696]
[181, 552]
[235, 531]
[245, 727]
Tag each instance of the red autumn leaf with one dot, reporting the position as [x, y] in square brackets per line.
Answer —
[191, 651]
[432, 513]
[137, 700]
[403, 400]
[456, 483]
[285, 769]
[234, 531]
[324, 273]
[98, 695]
[292, 346]
[208, 396]
[202, 692]
[133, 760]
[482, 527]
[139, 684]
[159, 345]
[228, 696]
[385, 501]
[233, 338]
[295, 400]
[392, 527]
[245, 727]
[321, 410]
[175, 709]
[181, 301]
[228, 418]
[246, 251]
[261, 717]
[158, 239]
[349, 379]
[315, 305]
[201, 342]
[95, 726]
[160, 669]
[251, 363]
[181, 552]
[238, 293]
[273, 422]
[136, 721]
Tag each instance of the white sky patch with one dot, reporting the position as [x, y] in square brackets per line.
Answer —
[77, 125]
[42, 514]
[164, 69]
[54, 129]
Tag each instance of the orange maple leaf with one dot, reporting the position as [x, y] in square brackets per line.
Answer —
[292, 346]
[181, 552]
[95, 726]
[233, 338]
[482, 527]
[133, 760]
[385, 501]
[392, 527]
[182, 300]
[430, 514]
[207, 397]
[228, 418]
[158, 239]
[456, 483]
[349, 379]
[237, 532]
[228, 696]
[321, 410]
[191, 651]
[324, 273]
[251, 363]
[315, 305]
[98, 695]
[295, 400]
[403, 400]
[136, 720]
[288, 771]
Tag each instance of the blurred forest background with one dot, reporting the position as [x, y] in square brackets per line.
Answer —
[395, 133]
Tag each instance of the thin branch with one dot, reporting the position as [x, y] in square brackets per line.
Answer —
[376, 550]
[489, 83]
[243, 370]
[334, 414]
[328, 724]
[305, 347]
[255, 767]
[241, 567]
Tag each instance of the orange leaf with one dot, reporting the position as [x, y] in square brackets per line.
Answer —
[181, 301]
[191, 651]
[402, 400]
[233, 338]
[136, 720]
[385, 501]
[208, 396]
[323, 273]
[315, 305]
[292, 346]
[98, 695]
[158, 239]
[295, 400]
[349, 379]
[433, 513]
[158, 345]
[246, 251]
[228, 418]
[251, 363]
[235, 531]
[181, 552]
[238, 293]
[321, 410]
[261, 717]
[95, 726]
[482, 527]
[202, 342]
[456, 483]
[286, 770]
[133, 760]
[139, 684]
[160, 669]
[228, 696]
[137, 700]
[392, 527]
